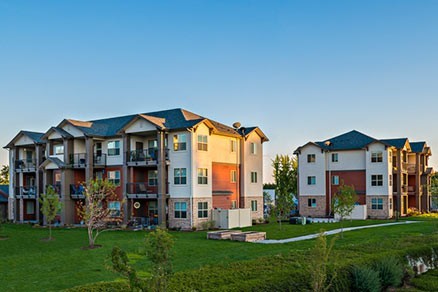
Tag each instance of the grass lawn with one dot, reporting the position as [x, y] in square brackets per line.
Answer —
[29, 264]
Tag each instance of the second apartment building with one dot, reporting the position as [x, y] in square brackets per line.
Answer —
[389, 175]
[169, 166]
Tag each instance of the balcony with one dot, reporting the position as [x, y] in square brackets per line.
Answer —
[412, 168]
[144, 157]
[25, 165]
[26, 192]
[141, 190]
[99, 160]
[78, 160]
[77, 192]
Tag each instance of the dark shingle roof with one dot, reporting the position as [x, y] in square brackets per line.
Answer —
[417, 147]
[348, 141]
[398, 143]
[36, 136]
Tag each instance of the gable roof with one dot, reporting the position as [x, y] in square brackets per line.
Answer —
[417, 147]
[245, 131]
[398, 143]
[36, 137]
[60, 131]
[58, 162]
[352, 140]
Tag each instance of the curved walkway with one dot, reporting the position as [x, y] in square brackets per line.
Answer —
[331, 232]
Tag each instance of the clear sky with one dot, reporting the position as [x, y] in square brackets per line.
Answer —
[301, 70]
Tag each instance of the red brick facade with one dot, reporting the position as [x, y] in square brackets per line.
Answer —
[222, 183]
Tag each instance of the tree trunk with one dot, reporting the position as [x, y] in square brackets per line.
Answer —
[90, 238]
[50, 231]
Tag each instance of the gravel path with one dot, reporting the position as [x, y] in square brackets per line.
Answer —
[331, 232]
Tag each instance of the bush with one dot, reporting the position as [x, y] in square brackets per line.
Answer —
[101, 287]
[364, 279]
[390, 272]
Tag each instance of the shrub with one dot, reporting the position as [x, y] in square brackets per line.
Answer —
[101, 287]
[364, 279]
[390, 272]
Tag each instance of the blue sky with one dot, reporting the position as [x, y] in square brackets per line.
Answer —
[301, 70]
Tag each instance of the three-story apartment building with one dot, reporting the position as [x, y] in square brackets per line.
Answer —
[388, 175]
[169, 166]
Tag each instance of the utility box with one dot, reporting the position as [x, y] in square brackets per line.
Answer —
[232, 218]
[359, 213]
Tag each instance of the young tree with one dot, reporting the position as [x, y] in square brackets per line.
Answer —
[159, 244]
[50, 206]
[4, 175]
[320, 263]
[96, 211]
[343, 202]
[285, 178]
[121, 265]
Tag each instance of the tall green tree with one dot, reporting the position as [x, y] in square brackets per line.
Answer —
[159, 251]
[4, 175]
[96, 211]
[343, 202]
[285, 185]
[50, 206]
[434, 189]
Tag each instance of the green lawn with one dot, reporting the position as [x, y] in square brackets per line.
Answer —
[29, 264]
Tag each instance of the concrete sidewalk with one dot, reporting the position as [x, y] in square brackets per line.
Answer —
[331, 232]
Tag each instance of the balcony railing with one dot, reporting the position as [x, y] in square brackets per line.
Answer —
[78, 160]
[26, 192]
[99, 160]
[411, 167]
[144, 156]
[77, 191]
[141, 190]
[25, 165]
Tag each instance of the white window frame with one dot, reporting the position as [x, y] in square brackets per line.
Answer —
[335, 157]
[254, 205]
[202, 142]
[311, 202]
[377, 204]
[115, 207]
[58, 149]
[233, 176]
[311, 158]
[253, 177]
[311, 180]
[377, 157]
[180, 210]
[180, 142]
[113, 150]
[180, 176]
[253, 148]
[202, 176]
[233, 146]
[335, 180]
[114, 177]
[202, 209]
[377, 180]
[152, 177]
[32, 209]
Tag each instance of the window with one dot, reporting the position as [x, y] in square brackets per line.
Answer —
[98, 148]
[202, 176]
[233, 146]
[253, 177]
[153, 177]
[311, 180]
[153, 208]
[114, 177]
[179, 176]
[202, 142]
[114, 206]
[253, 148]
[179, 142]
[58, 149]
[390, 156]
[113, 148]
[311, 203]
[180, 210]
[233, 204]
[202, 209]
[377, 180]
[377, 203]
[30, 207]
[335, 157]
[376, 156]
[233, 176]
[390, 180]
[335, 180]
[254, 205]
[311, 158]
[390, 203]
[29, 156]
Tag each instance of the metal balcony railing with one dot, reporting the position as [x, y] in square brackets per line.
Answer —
[99, 160]
[25, 164]
[145, 155]
[29, 192]
[78, 160]
[140, 188]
